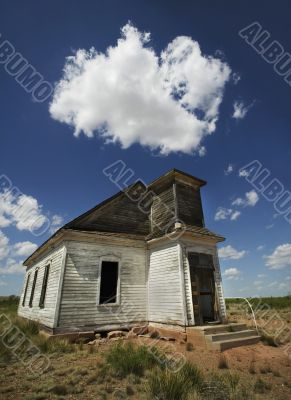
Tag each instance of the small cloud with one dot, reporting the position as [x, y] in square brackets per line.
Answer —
[261, 247]
[280, 258]
[202, 151]
[251, 199]
[235, 78]
[56, 223]
[243, 173]
[2, 283]
[234, 216]
[229, 169]
[24, 248]
[270, 226]
[232, 273]
[226, 213]
[229, 252]
[261, 275]
[240, 110]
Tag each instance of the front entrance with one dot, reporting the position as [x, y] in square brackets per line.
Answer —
[203, 287]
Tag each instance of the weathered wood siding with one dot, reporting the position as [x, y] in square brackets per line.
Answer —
[206, 249]
[80, 293]
[122, 214]
[163, 211]
[164, 286]
[188, 290]
[189, 204]
[46, 315]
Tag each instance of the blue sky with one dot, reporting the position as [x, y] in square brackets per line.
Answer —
[160, 112]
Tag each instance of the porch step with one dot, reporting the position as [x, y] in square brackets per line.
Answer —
[222, 337]
[231, 343]
[213, 329]
[218, 337]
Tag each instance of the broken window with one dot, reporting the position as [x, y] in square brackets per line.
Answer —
[109, 282]
[44, 286]
[33, 288]
[25, 291]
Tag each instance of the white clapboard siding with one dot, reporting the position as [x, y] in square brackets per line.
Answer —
[164, 286]
[188, 289]
[44, 315]
[79, 308]
[219, 288]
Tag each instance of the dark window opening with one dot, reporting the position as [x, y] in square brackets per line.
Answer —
[109, 282]
[33, 289]
[44, 286]
[25, 291]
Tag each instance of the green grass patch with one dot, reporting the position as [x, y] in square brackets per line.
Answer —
[127, 359]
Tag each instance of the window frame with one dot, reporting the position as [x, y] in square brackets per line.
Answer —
[32, 292]
[44, 285]
[109, 259]
[25, 289]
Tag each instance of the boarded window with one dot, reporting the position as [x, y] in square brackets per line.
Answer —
[44, 286]
[109, 282]
[33, 289]
[25, 291]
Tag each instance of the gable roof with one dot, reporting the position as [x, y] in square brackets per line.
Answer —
[97, 219]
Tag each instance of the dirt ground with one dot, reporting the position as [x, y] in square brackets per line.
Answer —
[79, 373]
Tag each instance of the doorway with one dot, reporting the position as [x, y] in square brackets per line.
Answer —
[203, 287]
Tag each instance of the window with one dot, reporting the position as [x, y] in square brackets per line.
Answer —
[33, 288]
[44, 286]
[109, 282]
[25, 291]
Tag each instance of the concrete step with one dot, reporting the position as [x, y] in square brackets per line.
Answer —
[231, 343]
[209, 330]
[217, 337]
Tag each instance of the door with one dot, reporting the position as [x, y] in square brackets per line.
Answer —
[203, 287]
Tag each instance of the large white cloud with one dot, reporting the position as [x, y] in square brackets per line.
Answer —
[280, 258]
[131, 94]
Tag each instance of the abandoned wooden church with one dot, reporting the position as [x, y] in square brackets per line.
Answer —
[129, 260]
[143, 256]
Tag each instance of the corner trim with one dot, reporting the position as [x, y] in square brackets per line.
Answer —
[60, 288]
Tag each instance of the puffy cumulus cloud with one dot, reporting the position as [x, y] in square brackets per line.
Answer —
[10, 255]
[251, 199]
[56, 223]
[239, 110]
[4, 246]
[226, 213]
[229, 252]
[11, 266]
[24, 248]
[280, 258]
[232, 273]
[20, 210]
[130, 94]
